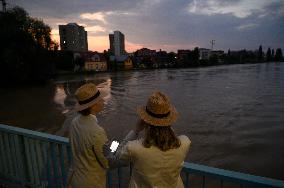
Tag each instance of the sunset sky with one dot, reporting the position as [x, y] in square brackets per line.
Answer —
[167, 24]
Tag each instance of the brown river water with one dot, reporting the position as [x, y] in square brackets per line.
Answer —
[234, 114]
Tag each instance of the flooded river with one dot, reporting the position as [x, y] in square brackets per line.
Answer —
[234, 115]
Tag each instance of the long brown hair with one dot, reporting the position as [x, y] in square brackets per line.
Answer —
[162, 137]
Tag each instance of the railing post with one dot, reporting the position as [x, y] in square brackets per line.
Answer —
[28, 160]
[109, 179]
[20, 158]
[8, 154]
[186, 180]
[3, 157]
[34, 161]
[119, 177]
[203, 181]
[63, 171]
[46, 154]
[55, 165]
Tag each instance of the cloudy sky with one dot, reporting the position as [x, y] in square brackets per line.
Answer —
[168, 24]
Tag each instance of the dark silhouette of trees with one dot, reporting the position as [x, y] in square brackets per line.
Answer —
[191, 59]
[172, 59]
[272, 54]
[268, 55]
[278, 54]
[213, 59]
[64, 61]
[24, 51]
[260, 54]
[195, 57]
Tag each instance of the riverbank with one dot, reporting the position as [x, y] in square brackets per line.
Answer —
[68, 73]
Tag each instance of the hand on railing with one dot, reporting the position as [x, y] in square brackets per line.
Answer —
[113, 159]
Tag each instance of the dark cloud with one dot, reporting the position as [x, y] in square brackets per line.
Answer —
[60, 8]
[275, 8]
[154, 23]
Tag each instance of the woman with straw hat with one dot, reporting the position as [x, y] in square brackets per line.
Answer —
[158, 157]
[87, 139]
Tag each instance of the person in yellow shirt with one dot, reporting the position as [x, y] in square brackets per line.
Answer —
[157, 158]
[87, 138]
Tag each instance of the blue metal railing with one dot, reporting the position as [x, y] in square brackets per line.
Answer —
[223, 176]
[34, 159]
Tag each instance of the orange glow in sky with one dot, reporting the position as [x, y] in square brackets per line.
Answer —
[98, 43]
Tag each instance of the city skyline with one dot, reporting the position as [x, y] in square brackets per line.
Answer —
[168, 25]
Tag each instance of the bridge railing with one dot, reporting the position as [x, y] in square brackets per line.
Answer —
[34, 159]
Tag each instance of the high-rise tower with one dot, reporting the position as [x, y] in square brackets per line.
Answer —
[116, 41]
[73, 37]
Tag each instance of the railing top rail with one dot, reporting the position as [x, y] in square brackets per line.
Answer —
[34, 134]
[231, 176]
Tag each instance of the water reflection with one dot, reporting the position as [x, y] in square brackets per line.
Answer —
[64, 92]
[60, 95]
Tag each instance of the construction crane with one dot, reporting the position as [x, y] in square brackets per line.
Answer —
[4, 5]
[212, 42]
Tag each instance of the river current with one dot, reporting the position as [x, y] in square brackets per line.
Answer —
[233, 114]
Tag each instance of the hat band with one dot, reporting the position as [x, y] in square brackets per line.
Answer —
[157, 115]
[90, 99]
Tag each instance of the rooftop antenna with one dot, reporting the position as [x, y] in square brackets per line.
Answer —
[212, 42]
[4, 5]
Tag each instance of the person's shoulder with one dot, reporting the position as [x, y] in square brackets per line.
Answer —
[134, 144]
[184, 140]
[74, 117]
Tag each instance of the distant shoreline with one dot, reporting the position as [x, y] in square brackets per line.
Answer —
[66, 73]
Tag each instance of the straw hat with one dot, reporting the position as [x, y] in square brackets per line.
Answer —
[87, 95]
[158, 111]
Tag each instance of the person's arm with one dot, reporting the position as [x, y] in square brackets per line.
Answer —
[122, 156]
[99, 142]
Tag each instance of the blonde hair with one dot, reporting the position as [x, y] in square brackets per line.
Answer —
[162, 137]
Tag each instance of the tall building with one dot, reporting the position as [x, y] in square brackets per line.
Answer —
[116, 42]
[73, 38]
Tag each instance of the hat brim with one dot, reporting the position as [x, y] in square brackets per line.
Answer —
[79, 107]
[166, 121]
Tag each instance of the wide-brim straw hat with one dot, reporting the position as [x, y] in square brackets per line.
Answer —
[87, 95]
[159, 111]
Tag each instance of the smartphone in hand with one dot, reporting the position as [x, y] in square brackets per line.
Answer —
[114, 145]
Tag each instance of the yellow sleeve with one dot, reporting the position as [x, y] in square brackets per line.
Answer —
[124, 153]
[99, 141]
